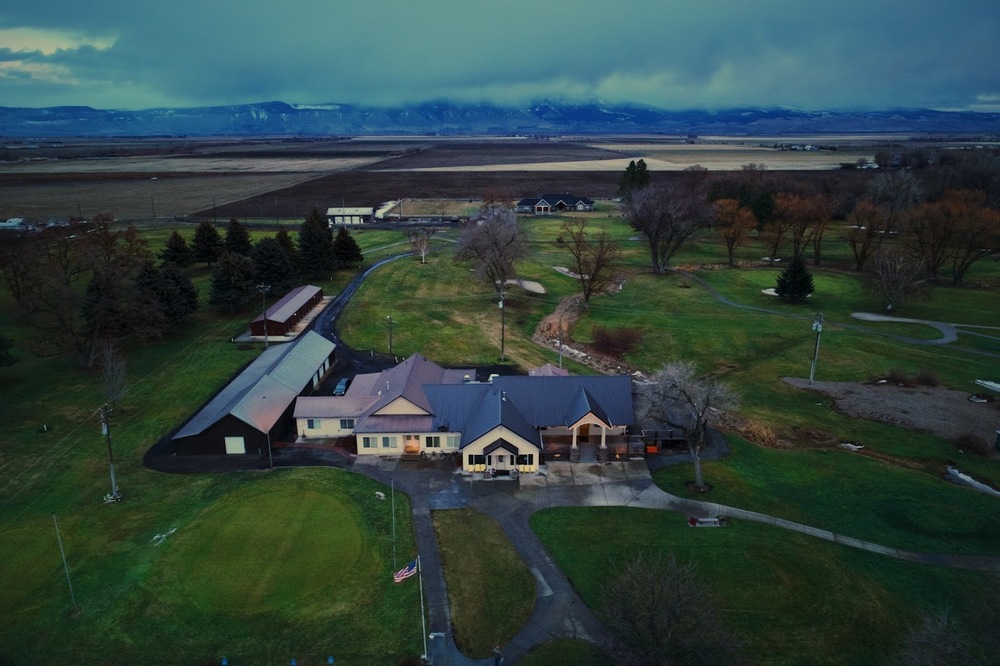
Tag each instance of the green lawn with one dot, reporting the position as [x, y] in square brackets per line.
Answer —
[792, 599]
[567, 653]
[848, 494]
[490, 590]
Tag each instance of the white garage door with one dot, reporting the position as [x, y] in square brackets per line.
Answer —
[235, 445]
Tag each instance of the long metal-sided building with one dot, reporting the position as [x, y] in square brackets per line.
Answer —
[285, 313]
[255, 408]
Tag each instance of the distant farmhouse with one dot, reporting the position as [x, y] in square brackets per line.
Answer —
[554, 203]
[349, 216]
[507, 424]
[255, 408]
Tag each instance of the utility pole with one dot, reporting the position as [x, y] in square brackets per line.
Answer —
[818, 327]
[560, 341]
[503, 324]
[388, 321]
[263, 289]
[106, 431]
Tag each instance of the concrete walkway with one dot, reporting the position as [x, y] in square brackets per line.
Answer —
[559, 612]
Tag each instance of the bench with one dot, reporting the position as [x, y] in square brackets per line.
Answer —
[717, 521]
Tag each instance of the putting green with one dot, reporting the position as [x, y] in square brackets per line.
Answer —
[261, 552]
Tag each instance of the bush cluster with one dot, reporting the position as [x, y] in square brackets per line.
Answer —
[616, 342]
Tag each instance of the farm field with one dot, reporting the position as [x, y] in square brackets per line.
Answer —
[286, 178]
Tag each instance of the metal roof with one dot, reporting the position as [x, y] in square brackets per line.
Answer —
[396, 423]
[290, 303]
[332, 406]
[549, 401]
[261, 393]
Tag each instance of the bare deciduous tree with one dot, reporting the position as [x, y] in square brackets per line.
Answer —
[678, 398]
[736, 222]
[976, 237]
[932, 227]
[493, 245]
[114, 370]
[661, 613]
[895, 191]
[868, 228]
[667, 215]
[895, 276]
[420, 241]
[595, 259]
[937, 641]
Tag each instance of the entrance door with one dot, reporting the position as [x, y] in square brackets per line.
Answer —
[502, 460]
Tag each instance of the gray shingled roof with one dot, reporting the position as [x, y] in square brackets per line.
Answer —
[261, 393]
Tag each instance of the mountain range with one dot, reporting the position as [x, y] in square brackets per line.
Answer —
[445, 118]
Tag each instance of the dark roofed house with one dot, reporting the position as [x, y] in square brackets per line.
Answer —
[554, 203]
[284, 314]
[508, 424]
[257, 404]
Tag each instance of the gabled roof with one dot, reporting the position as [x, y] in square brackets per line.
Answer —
[555, 401]
[332, 407]
[290, 303]
[261, 393]
[554, 199]
[407, 380]
[494, 410]
[583, 403]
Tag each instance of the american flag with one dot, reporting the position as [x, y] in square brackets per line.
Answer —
[405, 573]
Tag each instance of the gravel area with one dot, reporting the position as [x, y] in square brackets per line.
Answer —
[941, 411]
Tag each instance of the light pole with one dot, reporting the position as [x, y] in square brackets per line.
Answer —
[106, 431]
[818, 327]
[263, 289]
[388, 321]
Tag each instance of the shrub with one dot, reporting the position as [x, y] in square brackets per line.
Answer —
[758, 433]
[901, 377]
[970, 442]
[616, 342]
[928, 377]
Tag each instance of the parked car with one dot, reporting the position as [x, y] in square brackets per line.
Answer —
[341, 387]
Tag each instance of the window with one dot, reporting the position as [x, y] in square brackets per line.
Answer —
[453, 441]
[312, 424]
[346, 424]
[388, 442]
[369, 442]
[476, 460]
[407, 439]
[528, 459]
[433, 442]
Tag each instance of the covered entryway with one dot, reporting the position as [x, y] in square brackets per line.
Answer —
[501, 457]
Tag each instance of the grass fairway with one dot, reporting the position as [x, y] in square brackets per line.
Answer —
[490, 590]
[791, 598]
[848, 494]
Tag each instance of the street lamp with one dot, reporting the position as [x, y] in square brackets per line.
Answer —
[263, 289]
[388, 321]
[818, 327]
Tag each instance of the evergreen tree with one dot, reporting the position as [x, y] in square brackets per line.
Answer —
[795, 282]
[234, 283]
[207, 246]
[237, 238]
[176, 251]
[288, 245]
[272, 264]
[316, 246]
[635, 178]
[346, 249]
[174, 294]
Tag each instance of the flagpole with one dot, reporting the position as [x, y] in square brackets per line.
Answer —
[423, 621]
[392, 490]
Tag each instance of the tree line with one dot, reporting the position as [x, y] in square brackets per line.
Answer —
[83, 293]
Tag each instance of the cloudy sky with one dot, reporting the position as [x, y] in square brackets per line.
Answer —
[674, 54]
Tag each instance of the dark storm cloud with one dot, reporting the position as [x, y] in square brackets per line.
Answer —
[852, 54]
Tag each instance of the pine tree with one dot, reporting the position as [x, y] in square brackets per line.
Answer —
[272, 264]
[207, 246]
[346, 249]
[174, 294]
[176, 251]
[237, 238]
[635, 178]
[288, 245]
[316, 246]
[234, 283]
[795, 282]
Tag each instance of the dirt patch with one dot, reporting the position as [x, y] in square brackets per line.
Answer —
[936, 410]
